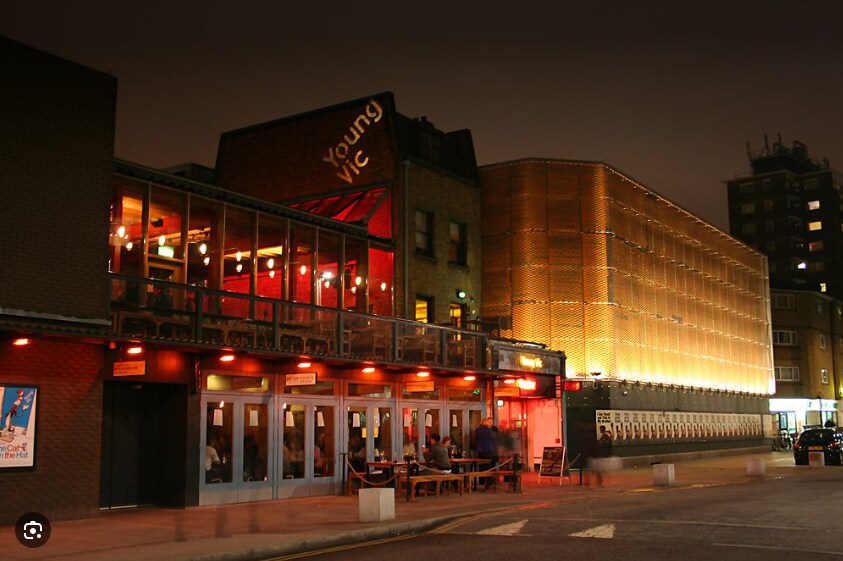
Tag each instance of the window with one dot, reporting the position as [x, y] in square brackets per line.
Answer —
[424, 309]
[424, 233]
[815, 226]
[823, 287]
[817, 267]
[787, 373]
[813, 205]
[824, 375]
[746, 188]
[820, 307]
[785, 338]
[748, 208]
[766, 184]
[822, 341]
[815, 246]
[783, 301]
[812, 183]
[768, 206]
[457, 243]
[750, 228]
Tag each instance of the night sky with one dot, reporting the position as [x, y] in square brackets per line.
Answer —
[667, 92]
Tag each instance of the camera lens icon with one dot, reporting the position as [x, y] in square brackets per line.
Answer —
[32, 529]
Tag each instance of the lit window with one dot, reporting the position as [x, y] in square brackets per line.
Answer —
[822, 341]
[815, 246]
[766, 184]
[817, 267]
[424, 309]
[824, 375]
[814, 226]
[824, 288]
[813, 205]
[802, 266]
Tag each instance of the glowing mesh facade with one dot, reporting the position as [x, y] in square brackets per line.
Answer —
[590, 262]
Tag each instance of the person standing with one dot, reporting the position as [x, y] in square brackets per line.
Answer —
[486, 443]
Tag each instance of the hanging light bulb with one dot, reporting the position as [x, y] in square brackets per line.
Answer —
[354, 290]
[162, 240]
[272, 274]
[270, 263]
[203, 248]
[239, 267]
[207, 261]
[383, 286]
[129, 246]
[238, 256]
[303, 269]
[121, 231]
[358, 280]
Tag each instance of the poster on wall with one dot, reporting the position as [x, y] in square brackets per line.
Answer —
[17, 425]
[640, 427]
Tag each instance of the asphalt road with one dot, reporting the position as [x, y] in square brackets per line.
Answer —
[795, 515]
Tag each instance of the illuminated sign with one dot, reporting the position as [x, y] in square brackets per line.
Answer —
[526, 384]
[300, 379]
[166, 251]
[129, 368]
[346, 160]
[534, 363]
[413, 387]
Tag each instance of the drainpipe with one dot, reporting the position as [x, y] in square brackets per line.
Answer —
[406, 234]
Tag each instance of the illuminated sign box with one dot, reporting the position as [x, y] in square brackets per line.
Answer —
[300, 379]
[129, 368]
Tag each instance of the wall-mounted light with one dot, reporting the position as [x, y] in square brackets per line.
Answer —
[304, 364]
[21, 341]
[423, 374]
[469, 378]
[134, 350]
[461, 294]
[227, 357]
[509, 381]
[368, 369]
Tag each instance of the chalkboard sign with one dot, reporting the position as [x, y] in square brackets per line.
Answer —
[553, 461]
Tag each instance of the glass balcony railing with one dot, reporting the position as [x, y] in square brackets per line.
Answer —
[149, 309]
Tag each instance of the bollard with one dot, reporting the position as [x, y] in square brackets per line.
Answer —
[376, 504]
[663, 474]
[755, 467]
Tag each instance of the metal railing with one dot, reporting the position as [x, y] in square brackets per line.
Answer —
[155, 310]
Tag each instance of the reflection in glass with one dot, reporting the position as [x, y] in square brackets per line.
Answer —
[357, 434]
[409, 432]
[382, 433]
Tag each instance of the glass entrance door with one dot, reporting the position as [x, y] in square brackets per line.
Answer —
[307, 451]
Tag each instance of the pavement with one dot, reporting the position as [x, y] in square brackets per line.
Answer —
[267, 529]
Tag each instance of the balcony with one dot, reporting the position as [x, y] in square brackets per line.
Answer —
[153, 310]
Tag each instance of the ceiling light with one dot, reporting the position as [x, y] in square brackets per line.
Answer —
[21, 341]
[134, 350]
[383, 286]
[207, 261]
[303, 269]
[423, 374]
[272, 274]
[358, 280]
[121, 231]
[239, 267]
[304, 364]
[238, 256]
[129, 246]
[270, 263]
[368, 369]
[509, 381]
[228, 357]
[469, 378]
[162, 240]
[203, 248]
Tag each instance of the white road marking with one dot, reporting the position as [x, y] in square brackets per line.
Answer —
[505, 530]
[606, 531]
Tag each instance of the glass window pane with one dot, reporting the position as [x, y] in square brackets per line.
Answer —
[219, 426]
[327, 272]
[324, 464]
[383, 433]
[380, 281]
[272, 236]
[302, 240]
[357, 434]
[237, 257]
[409, 433]
[166, 212]
[255, 441]
[126, 236]
[293, 453]
[203, 250]
[356, 281]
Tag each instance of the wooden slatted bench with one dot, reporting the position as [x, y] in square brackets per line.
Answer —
[437, 478]
[473, 476]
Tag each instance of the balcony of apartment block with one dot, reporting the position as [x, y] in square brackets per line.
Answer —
[154, 310]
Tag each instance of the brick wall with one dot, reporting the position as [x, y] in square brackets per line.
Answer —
[56, 150]
[65, 481]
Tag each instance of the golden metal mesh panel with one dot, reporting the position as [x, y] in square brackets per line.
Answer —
[641, 290]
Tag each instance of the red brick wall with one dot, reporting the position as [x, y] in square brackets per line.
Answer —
[56, 150]
[286, 159]
[65, 481]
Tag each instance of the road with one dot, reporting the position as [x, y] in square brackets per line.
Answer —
[796, 514]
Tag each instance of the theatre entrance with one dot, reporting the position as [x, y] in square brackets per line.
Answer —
[144, 445]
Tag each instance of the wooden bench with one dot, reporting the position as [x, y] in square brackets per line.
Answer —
[437, 479]
[472, 477]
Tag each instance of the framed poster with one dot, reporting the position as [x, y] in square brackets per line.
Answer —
[17, 425]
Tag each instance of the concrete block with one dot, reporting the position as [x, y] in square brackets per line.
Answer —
[755, 467]
[816, 459]
[376, 504]
[663, 474]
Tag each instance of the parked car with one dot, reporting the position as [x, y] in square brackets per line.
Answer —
[829, 441]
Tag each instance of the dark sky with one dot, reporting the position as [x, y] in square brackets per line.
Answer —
[667, 92]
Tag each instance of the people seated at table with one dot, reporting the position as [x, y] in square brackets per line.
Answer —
[357, 453]
[437, 454]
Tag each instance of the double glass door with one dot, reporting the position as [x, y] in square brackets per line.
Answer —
[370, 434]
